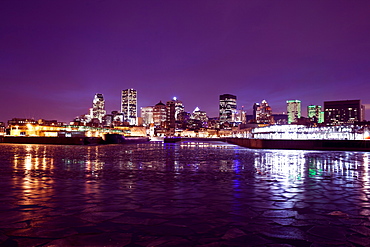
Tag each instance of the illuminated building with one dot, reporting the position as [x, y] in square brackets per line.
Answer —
[179, 107]
[262, 113]
[2, 129]
[113, 119]
[129, 106]
[256, 111]
[147, 115]
[301, 132]
[160, 114]
[343, 112]
[315, 114]
[240, 116]
[98, 109]
[199, 115]
[293, 110]
[227, 107]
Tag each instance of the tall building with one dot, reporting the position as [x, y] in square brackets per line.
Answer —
[315, 114]
[170, 117]
[147, 115]
[263, 113]
[98, 109]
[179, 107]
[199, 115]
[160, 114]
[129, 105]
[227, 108]
[256, 110]
[293, 110]
[343, 112]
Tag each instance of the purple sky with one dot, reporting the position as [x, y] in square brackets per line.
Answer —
[55, 55]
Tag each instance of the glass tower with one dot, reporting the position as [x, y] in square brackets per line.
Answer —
[314, 113]
[98, 110]
[227, 108]
[293, 110]
[129, 106]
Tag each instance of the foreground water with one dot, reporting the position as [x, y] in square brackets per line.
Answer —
[182, 194]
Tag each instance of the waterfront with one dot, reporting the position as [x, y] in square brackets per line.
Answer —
[182, 194]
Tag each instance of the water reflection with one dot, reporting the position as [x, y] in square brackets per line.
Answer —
[32, 158]
[286, 166]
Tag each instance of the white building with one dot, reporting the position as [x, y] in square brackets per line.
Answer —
[129, 106]
[98, 109]
[147, 115]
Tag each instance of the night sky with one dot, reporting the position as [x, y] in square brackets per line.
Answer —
[55, 55]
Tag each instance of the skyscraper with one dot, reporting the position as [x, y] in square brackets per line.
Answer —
[263, 113]
[179, 107]
[227, 107]
[343, 112]
[129, 105]
[170, 117]
[315, 114]
[98, 109]
[293, 110]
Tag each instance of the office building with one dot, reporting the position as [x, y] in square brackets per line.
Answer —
[98, 109]
[315, 113]
[199, 115]
[129, 106]
[160, 114]
[179, 107]
[343, 112]
[227, 108]
[293, 110]
[170, 117]
[147, 115]
[262, 113]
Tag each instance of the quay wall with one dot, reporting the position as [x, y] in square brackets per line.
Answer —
[51, 140]
[343, 145]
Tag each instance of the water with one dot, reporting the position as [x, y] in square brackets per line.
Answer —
[188, 193]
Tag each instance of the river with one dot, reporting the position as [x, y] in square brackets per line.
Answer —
[182, 194]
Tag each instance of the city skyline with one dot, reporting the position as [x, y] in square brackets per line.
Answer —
[57, 55]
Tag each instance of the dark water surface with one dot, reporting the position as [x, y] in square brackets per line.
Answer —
[182, 194]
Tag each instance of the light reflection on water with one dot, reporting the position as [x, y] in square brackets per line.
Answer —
[327, 181]
[186, 157]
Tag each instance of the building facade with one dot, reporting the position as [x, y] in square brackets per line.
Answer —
[171, 114]
[129, 106]
[179, 107]
[240, 116]
[98, 109]
[293, 110]
[262, 113]
[315, 113]
[227, 108]
[160, 114]
[147, 115]
[343, 112]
